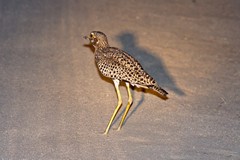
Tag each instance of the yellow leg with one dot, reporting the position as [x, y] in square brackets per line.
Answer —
[128, 105]
[116, 84]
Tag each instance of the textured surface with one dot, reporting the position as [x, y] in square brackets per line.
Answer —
[55, 105]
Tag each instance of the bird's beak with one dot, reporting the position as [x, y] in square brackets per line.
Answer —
[86, 37]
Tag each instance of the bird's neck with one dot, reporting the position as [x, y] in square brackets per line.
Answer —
[101, 47]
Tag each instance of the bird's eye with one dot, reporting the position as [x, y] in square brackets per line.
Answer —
[91, 35]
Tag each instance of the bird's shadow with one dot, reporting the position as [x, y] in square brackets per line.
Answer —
[89, 46]
[152, 64]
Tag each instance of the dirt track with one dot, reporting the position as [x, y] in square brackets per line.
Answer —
[54, 104]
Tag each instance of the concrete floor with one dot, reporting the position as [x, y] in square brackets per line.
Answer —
[54, 104]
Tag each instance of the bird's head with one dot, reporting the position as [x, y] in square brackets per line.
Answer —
[97, 39]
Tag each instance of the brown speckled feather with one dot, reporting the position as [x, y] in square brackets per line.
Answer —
[117, 64]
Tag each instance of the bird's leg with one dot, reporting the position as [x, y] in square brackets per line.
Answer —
[116, 84]
[128, 105]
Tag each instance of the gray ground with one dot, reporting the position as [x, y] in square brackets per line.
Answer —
[54, 104]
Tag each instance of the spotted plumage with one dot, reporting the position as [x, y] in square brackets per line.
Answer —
[120, 66]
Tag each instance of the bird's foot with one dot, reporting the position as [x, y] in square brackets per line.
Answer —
[119, 128]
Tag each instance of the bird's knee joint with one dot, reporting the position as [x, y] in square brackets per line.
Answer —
[119, 102]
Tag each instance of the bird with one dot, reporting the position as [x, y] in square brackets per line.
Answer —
[119, 66]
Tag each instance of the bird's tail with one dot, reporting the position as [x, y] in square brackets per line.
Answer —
[159, 90]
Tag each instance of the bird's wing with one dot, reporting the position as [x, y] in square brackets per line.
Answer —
[124, 67]
[118, 64]
[124, 59]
